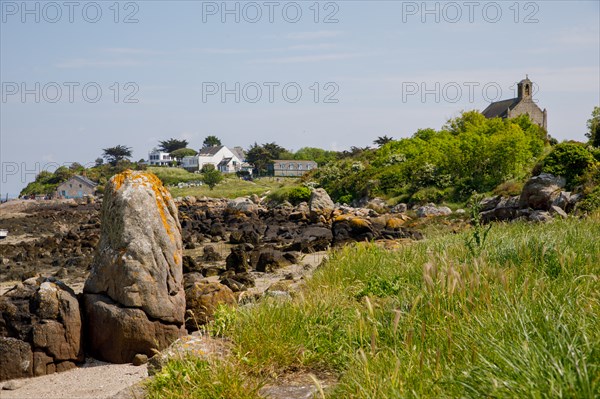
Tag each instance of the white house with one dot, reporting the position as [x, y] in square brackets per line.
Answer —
[221, 157]
[159, 158]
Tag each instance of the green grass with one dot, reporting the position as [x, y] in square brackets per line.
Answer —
[520, 319]
[233, 187]
[171, 176]
[192, 377]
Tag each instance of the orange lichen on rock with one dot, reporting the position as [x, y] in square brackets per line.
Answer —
[358, 222]
[394, 223]
[341, 218]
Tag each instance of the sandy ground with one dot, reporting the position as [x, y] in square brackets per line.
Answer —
[94, 380]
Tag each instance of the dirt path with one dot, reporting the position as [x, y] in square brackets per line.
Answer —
[94, 380]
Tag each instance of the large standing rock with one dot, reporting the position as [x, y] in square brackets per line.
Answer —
[320, 205]
[40, 329]
[134, 297]
[540, 191]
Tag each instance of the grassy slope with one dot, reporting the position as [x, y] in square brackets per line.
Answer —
[233, 187]
[428, 320]
[174, 175]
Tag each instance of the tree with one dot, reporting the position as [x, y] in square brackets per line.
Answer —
[381, 141]
[116, 154]
[172, 145]
[275, 150]
[61, 174]
[593, 125]
[77, 167]
[211, 141]
[183, 152]
[212, 177]
[262, 155]
[320, 156]
[207, 167]
[99, 161]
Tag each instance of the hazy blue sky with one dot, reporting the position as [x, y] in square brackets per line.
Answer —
[365, 69]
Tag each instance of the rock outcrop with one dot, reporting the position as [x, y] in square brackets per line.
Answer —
[541, 191]
[541, 199]
[40, 329]
[134, 300]
[432, 210]
[320, 205]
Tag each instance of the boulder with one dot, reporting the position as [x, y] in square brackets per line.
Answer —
[399, 208]
[505, 209]
[247, 234]
[244, 205]
[320, 205]
[190, 265]
[312, 239]
[134, 297]
[562, 201]
[16, 359]
[117, 334]
[555, 210]
[203, 298]
[350, 228]
[378, 205]
[540, 216]
[237, 260]
[270, 260]
[430, 210]
[489, 203]
[40, 324]
[255, 199]
[210, 254]
[541, 191]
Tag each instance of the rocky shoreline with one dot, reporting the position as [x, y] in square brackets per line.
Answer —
[210, 251]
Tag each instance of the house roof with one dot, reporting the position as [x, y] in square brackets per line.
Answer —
[209, 151]
[498, 108]
[84, 180]
[238, 152]
[302, 161]
[225, 161]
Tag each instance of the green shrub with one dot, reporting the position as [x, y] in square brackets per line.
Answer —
[212, 178]
[294, 194]
[345, 199]
[299, 194]
[224, 319]
[428, 194]
[509, 188]
[470, 153]
[381, 287]
[569, 160]
[591, 202]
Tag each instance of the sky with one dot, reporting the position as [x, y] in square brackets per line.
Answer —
[80, 76]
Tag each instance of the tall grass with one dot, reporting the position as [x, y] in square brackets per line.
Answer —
[520, 319]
